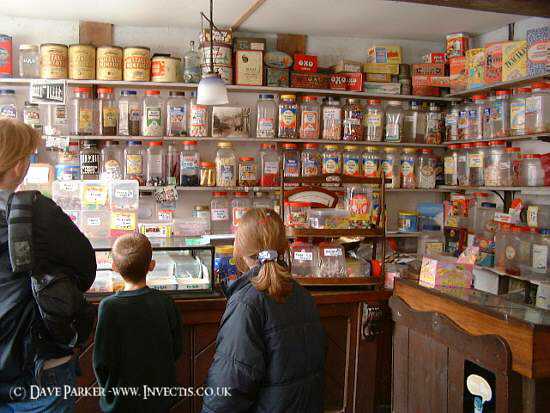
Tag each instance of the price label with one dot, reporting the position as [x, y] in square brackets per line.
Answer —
[57, 143]
[94, 195]
[303, 256]
[124, 193]
[332, 252]
[123, 221]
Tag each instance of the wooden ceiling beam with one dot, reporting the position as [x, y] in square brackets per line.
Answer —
[246, 15]
[538, 8]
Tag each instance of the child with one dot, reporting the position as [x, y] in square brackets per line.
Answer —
[138, 337]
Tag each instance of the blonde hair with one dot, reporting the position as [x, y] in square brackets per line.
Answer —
[17, 141]
[262, 229]
[132, 254]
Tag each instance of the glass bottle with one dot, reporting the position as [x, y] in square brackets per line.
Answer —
[151, 122]
[176, 114]
[371, 162]
[111, 161]
[266, 120]
[288, 113]
[394, 121]
[463, 172]
[129, 113]
[208, 174]
[434, 125]
[517, 111]
[29, 61]
[135, 165]
[332, 119]
[353, 120]
[390, 165]
[291, 160]
[374, 121]
[31, 116]
[310, 118]
[56, 120]
[156, 174]
[476, 161]
[407, 170]
[451, 165]
[426, 170]
[189, 164]
[240, 205]
[269, 165]
[226, 165]
[90, 160]
[311, 160]
[107, 108]
[351, 161]
[414, 124]
[191, 65]
[82, 112]
[220, 217]
[198, 118]
[452, 123]
[537, 109]
[172, 162]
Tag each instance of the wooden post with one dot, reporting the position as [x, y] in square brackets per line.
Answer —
[97, 34]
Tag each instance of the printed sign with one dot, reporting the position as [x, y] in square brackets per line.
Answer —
[48, 91]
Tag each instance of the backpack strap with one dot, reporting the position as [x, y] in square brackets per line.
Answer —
[19, 211]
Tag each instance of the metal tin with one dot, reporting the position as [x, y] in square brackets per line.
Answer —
[225, 72]
[6, 56]
[53, 61]
[81, 61]
[165, 69]
[137, 64]
[109, 63]
[223, 54]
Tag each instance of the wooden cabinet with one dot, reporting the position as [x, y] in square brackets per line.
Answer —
[357, 368]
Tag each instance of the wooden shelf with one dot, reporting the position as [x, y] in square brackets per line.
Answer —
[501, 85]
[397, 234]
[534, 136]
[339, 281]
[237, 88]
[216, 188]
[334, 233]
[542, 190]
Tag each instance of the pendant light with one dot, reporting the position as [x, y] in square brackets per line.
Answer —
[211, 89]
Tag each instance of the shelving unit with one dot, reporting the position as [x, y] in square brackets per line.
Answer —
[341, 281]
[269, 189]
[501, 85]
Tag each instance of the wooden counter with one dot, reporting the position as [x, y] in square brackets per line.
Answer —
[358, 374]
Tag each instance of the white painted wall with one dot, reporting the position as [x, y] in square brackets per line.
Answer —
[520, 31]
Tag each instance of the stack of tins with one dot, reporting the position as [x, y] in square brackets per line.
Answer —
[221, 51]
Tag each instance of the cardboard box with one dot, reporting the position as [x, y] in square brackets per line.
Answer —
[458, 74]
[338, 81]
[424, 69]
[514, 60]
[493, 63]
[538, 51]
[305, 63]
[277, 77]
[387, 68]
[249, 43]
[347, 81]
[443, 271]
[347, 66]
[249, 67]
[309, 80]
[384, 54]
[475, 62]
[457, 44]
[434, 58]
[436, 81]
[426, 91]
[382, 88]
[378, 77]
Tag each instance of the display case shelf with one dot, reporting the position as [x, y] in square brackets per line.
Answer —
[501, 85]
[542, 136]
[338, 281]
[215, 188]
[334, 233]
[536, 279]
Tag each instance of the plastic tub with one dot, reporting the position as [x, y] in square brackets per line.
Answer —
[296, 214]
[303, 259]
[328, 218]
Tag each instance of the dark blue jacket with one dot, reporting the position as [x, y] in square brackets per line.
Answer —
[270, 356]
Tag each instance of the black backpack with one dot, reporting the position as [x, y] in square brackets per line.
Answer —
[67, 316]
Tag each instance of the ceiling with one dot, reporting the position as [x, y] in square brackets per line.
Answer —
[349, 18]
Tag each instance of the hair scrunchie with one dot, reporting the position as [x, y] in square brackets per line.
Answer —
[267, 255]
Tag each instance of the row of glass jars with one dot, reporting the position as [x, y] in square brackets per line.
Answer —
[526, 111]
[328, 119]
[491, 164]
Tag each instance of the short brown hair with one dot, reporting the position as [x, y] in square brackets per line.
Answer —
[17, 141]
[132, 255]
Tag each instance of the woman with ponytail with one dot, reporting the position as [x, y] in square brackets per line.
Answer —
[270, 352]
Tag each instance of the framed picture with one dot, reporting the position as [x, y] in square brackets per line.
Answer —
[230, 121]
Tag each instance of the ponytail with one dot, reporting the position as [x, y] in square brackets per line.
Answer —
[274, 280]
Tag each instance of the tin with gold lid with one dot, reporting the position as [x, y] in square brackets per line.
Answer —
[165, 68]
[109, 63]
[53, 61]
[137, 64]
[82, 61]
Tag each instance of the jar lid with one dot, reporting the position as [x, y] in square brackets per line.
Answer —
[208, 164]
[224, 249]
[267, 96]
[298, 204]
[467, 145]
[155, 143]
[105, 90]
[374, 101]
[531, 156]
[524, 89]
[241, 194]
[479, 97]
[246, 158]
[332, 101]
[32, 47]
[480, 144]
[288, 97]
[311, 145]
[219, 193]
[128, 93]
[32, 105]
[224, 145]
[309, 98]
[481, 194]
[454, 146]
[54, 44]
[409, 150]
[89, 142]
[354, 101]
[503, 92]
[351, 147]
[81, 90]
[137, 47]
[290, 146]
[176, 93]
[152, 92]
[134, 143]
[331, 147]
[539, 85]
[497, 143]
[189, 142]
[266, 145]
[513, 149]
[111, 143]
[108, 46]
[202, 208]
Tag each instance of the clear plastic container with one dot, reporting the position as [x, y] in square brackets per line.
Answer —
[371, 161]
[172, 162]
[434, 125]
[531, 173]
[67, 167]
[156, 173]
[82, 112]
[328, 218]
[207, 174]
[374, 121]
[262, 200]
[394, 121]
[476, 162]
[31, 116]
[129, 113]
[475, 113]
[513, 173]
[537, 216]
[176, 114]
[135, 165]
[8, 104]
[463, 120]
[124, 195]
[198, 118]
[108, 111]
[66, 194]
[303, 259]
[226, 165]
[95, 223]
[310, 118]
[56, 120]
[452, 122]
[391, 167]
[537, 109]
[332, 119]
[431, 241]
[220, 213]
[270, 163]
[498, 124]
[331, 260]
[332, 160]
[90, 160]
[502, 235]
[94, 194]
[408, 168]
[248, 171]
[351, 161]
[517, 250]
[29, 61]
[496, 164]
[517, 111]
[240, 205]
[291, 160]
[426, 170]
[112, 161]
[296, 214]
[352, 120]
[451, 165]
[485, 226]
[311, 160]
[463, 171]
[152, 123]
[540, 253]
[266, 121]
[189, 164]
[288, 117]
[414, 124]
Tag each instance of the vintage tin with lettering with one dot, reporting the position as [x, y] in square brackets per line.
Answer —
[392, 69]
[493, 63]
[514, 60]
[224, 36]
[459, 76]
[137, 64]
[425, 69]
[109, 63]
[347, 66]
[53, 61]
[82, 61]
[384, 54]
[309, 80]
[249, 67]
[249, 43]
[277, 77]
[223, 54]
[6, 56]
[165, 68]
[305, 63]
[457, 44]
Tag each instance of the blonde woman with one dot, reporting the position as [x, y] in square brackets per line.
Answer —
[270, 351]
[27, 356]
